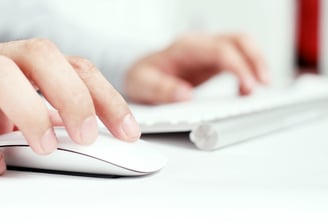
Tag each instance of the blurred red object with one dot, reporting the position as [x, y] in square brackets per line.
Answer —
[308, 35]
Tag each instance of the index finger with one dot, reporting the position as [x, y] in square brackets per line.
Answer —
[44, 64]
[110, 105]
[253, 55]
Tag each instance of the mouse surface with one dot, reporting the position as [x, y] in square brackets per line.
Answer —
[107, 156]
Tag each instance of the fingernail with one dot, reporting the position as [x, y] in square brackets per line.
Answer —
[182, 93]
[130, 127]
[89, 130]
[49, 141]
[2, 164]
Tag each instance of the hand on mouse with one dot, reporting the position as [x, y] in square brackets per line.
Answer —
[72, 85]
[170, 74]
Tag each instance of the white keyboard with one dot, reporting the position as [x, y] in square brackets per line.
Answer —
[219, 121]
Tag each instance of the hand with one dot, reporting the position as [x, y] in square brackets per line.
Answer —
[170, 74]
[72, 85]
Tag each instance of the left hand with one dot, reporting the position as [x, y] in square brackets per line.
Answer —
[169, 75]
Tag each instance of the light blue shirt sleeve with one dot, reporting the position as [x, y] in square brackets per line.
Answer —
[20, 19]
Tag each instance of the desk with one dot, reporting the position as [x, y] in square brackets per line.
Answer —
[277, 178]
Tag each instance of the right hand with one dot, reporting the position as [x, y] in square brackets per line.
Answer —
[72, 85]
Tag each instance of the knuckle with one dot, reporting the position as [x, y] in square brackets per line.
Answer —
[6, 62]
[40, 46]
[185, 40]
[83, 66]
[244, 39]
[225, 55]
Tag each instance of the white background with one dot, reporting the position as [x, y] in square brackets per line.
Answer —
[157, 22]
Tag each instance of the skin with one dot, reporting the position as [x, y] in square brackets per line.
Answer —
[78, 91]
[72, 85]
[169, 75]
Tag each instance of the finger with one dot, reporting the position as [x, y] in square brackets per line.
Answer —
[253, 56]
[5, 124]
[147, 84]
[110, 105]
[43, 63]
[24, 107]
[230, 59]
[192, 58]
[55, 118]
[3, 167]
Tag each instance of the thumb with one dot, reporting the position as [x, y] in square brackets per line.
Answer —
[149, 85]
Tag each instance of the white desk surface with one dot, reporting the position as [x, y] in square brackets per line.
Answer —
[282, 177]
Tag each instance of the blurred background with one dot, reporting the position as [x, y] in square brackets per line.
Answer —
[285, 30]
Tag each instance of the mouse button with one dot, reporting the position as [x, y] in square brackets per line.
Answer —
[12, 138]
[140, 156]
[62, 160]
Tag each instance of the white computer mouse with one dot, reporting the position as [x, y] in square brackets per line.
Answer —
[107, 156]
